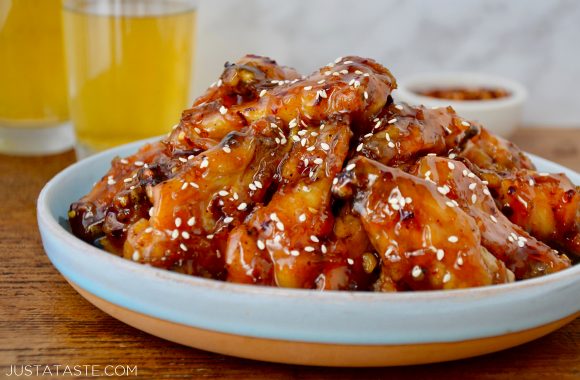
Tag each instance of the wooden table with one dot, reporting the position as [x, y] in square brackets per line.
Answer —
[44, 321]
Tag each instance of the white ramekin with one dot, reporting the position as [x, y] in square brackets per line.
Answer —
[501, 115]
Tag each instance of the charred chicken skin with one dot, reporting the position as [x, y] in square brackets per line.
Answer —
[324, 182]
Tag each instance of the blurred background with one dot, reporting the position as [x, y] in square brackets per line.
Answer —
[534, 42]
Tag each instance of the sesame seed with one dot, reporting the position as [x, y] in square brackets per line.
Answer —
[227, 149]
[470, 175]
[465, 124]
[443, 189]
[183, 247]
[309, 249]
[358, 72]
[440, 254]
[228, 220]
[321, 81]
[350, 261]
[123, 161]
[148, 230]
[416, 272]
[452, 155]
[493, 218]
[325, 146]
[318, 161]
[366, 95]
[453, 239]
[460, 261]
[261, 245]
[139, 163]
[359, 147]
[280, 226]
[184, 186]
[349, 167]
[472, 186]
[473, 198]
[262, 93]
[185, 234]
[204, 163]
[387, 136]
[399, 107]
[450, 165]
[391, 144]
[521, 243]
[242, 206]
[193, 184]
[344, 72]
[338, 60]
[177, 222]
[136, 256]
[126, 180]
[174, 234]
[182, 159]
[543, 174]
[308, 88]
[223, 193]
[209, 237]
[323, 248]
[111, 181]
[446, 277]
[294, 253]
[378, 124]
[252, 187]
[223, 110]
[486, 191]
[465, 172]
[392, 121]
[321, 93]
[302, 217]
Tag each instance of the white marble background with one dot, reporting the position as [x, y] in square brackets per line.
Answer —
[533, 41]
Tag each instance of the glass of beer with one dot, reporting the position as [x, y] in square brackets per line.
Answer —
[130, 67]
[33, 88]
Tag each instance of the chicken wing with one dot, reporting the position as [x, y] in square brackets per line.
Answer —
[194, 211]
[284, 242]
[547, 206]
[424, 240]
[403, 133]
[491, 152]
[523, 255]
[216, 113]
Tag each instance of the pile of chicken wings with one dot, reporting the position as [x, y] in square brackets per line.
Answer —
[324, 182]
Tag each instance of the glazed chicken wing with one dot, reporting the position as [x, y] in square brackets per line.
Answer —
[523, 255]
[403, 133]
[491, 152]
[547, 206]
[193, 211]
[119, 199]
[283, 243]
[424, 240]
[208, 120]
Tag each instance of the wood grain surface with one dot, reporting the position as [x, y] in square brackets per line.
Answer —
[44, 321]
